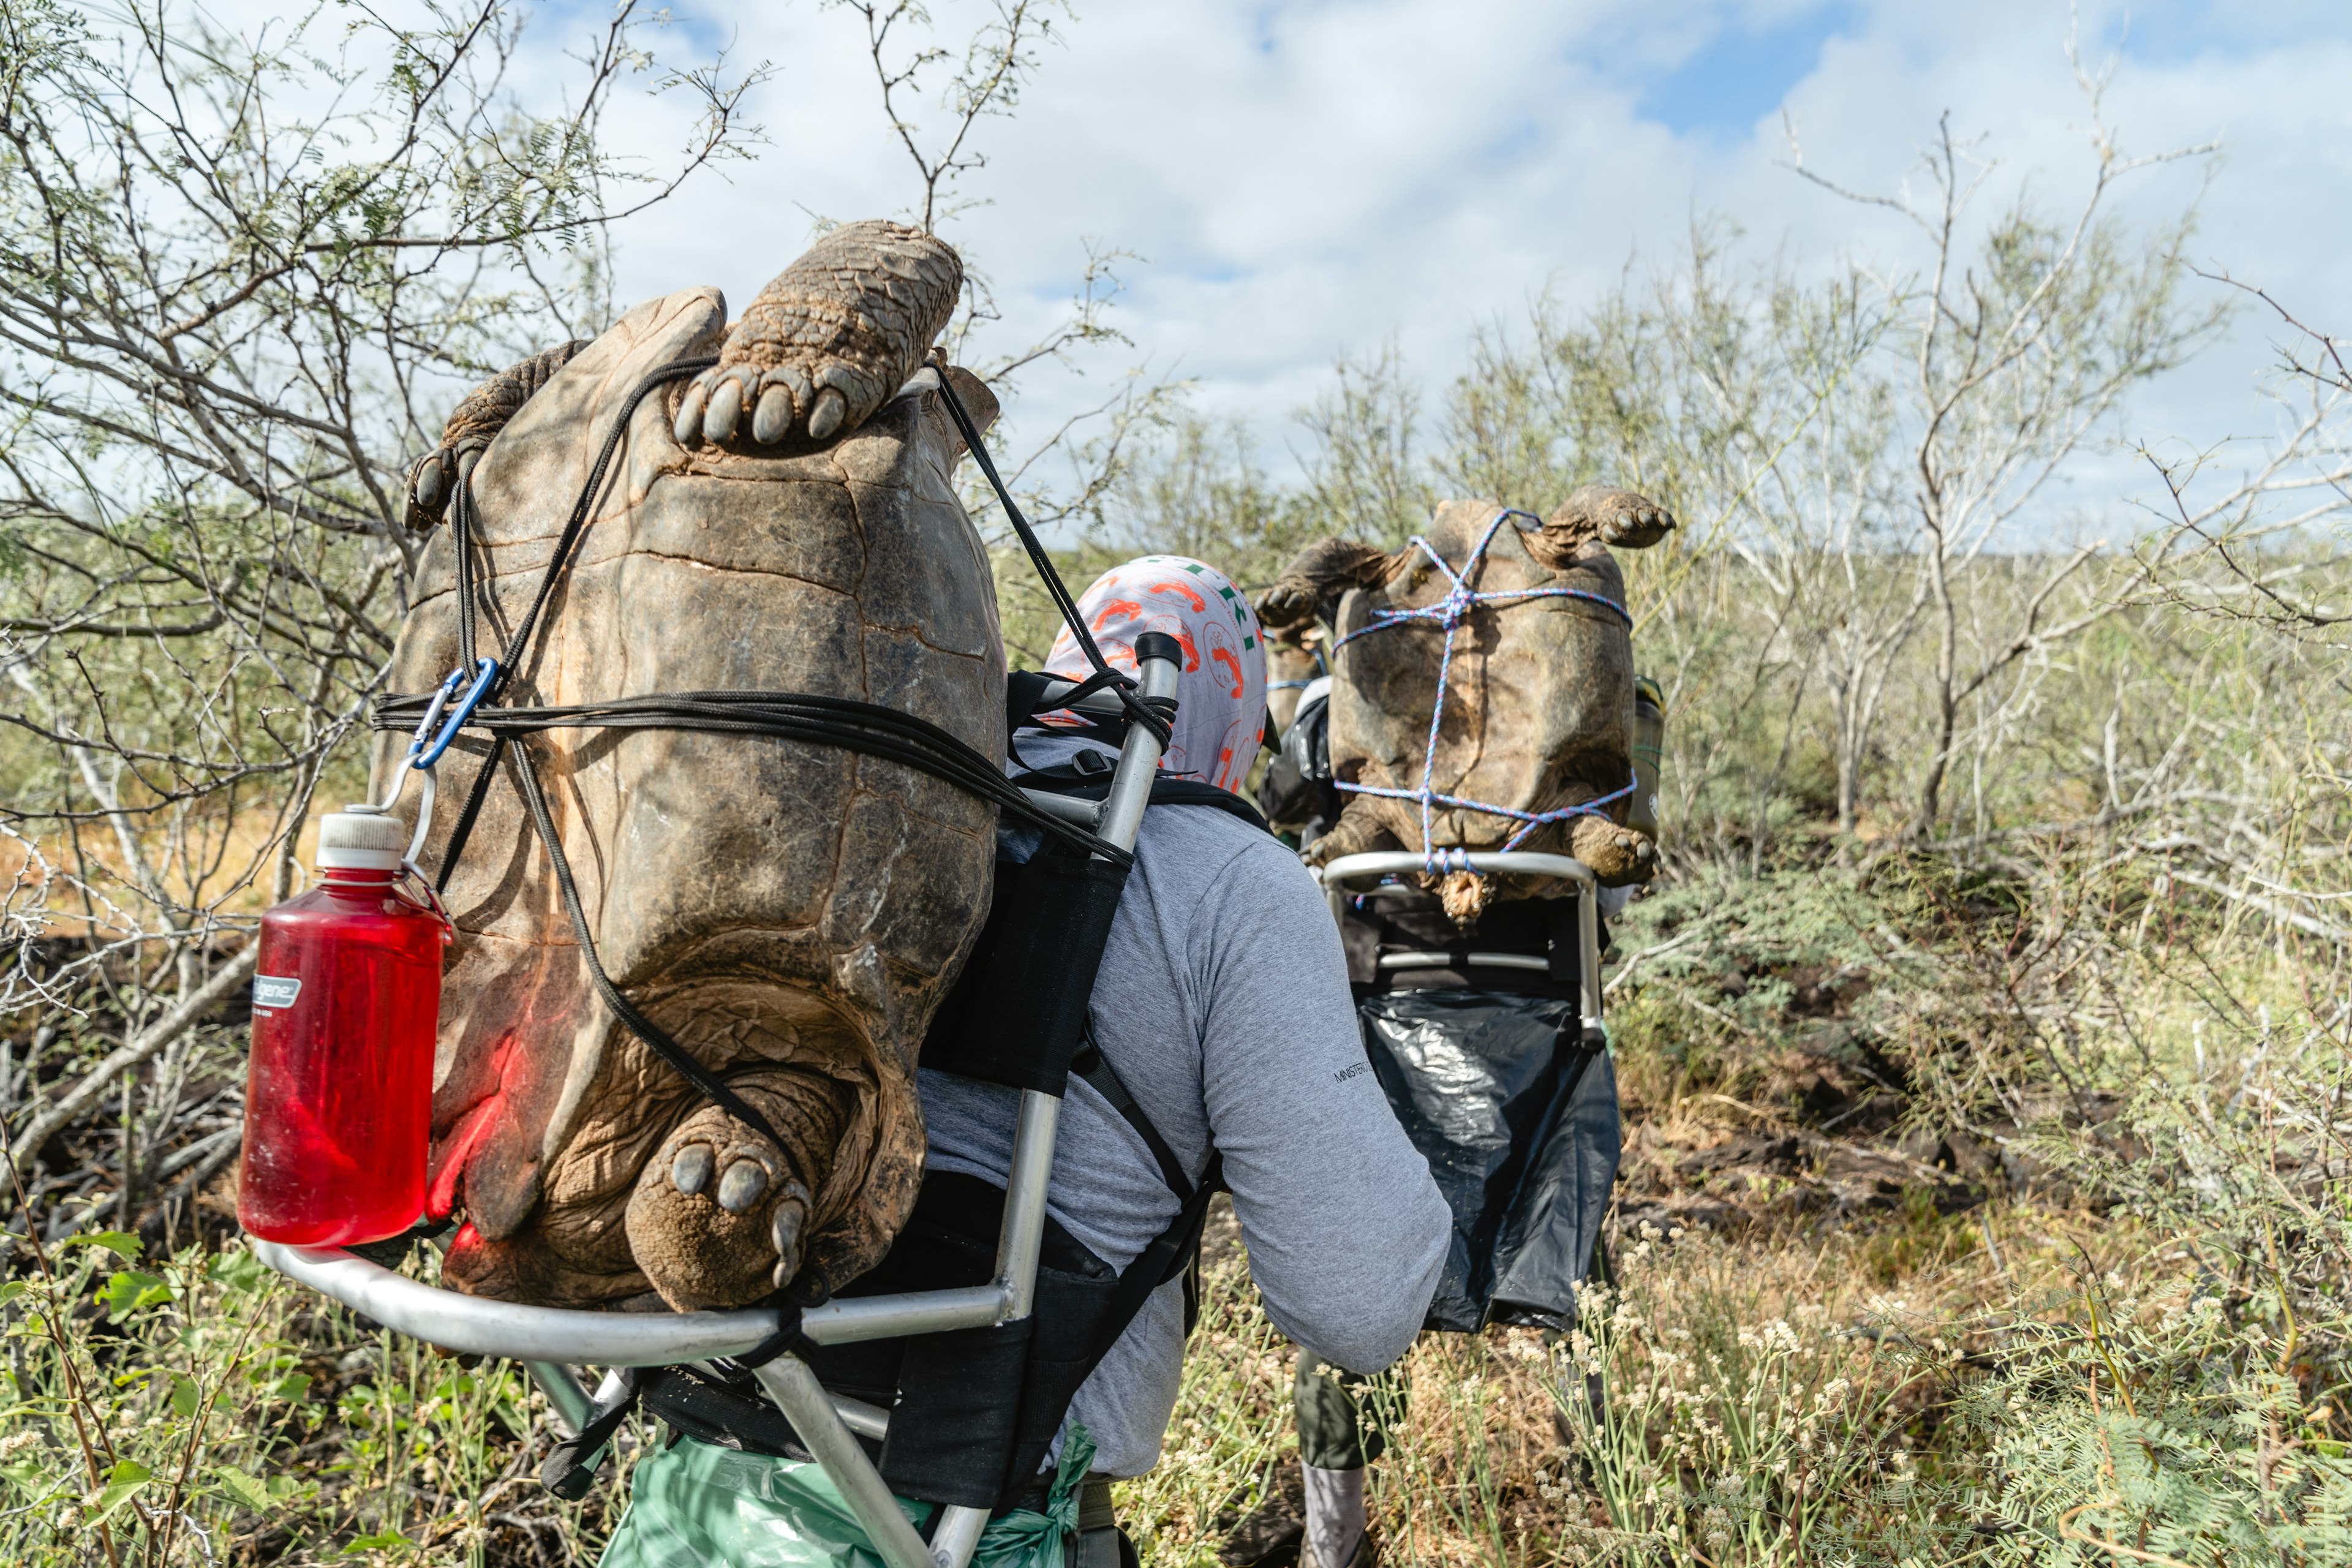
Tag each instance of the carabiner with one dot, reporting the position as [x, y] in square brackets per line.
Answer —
[433, 715]
[428, 745]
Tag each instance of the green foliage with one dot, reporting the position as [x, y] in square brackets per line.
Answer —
[1711, 968]
[2171, 1429]
[209, 1412]
[244, 271]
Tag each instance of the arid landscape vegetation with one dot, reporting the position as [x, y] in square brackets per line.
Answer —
[1985, 1043]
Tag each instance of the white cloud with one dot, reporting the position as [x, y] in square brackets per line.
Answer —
[1312, 178]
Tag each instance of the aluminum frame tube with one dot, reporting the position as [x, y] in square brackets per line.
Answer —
[1138, 762]
[956, 1534]
[569, 1403]
[610, 1389]
[865, 1420]
[551, 1339]
[806, 1404]
[1474, 959]
[1069, 809]
[1381, 863]
[1101, 704]
[1588, 941]
[475, 1325]
[847, 1320]
[1018, 1243]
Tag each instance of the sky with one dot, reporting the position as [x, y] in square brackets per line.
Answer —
[1304, 179]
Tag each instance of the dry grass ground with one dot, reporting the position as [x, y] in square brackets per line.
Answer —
[1788, 1395]
[1905, 1274]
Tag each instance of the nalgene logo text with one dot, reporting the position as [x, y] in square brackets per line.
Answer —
[275, 991]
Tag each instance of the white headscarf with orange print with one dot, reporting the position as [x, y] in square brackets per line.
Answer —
[1221, 697]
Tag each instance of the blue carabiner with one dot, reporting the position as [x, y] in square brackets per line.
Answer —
[433, 713]
[434, 745]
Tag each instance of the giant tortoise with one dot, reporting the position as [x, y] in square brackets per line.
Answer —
[792, 914]
[1533, 747]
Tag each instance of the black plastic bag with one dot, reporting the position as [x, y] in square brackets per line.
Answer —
[1519, 1126]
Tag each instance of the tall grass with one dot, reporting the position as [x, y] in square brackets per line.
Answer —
[198, 1408]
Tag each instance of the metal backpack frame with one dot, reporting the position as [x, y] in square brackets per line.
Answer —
[1353, 873]
[551, 1341]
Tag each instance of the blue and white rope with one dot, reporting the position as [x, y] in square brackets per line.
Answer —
[1458, 602]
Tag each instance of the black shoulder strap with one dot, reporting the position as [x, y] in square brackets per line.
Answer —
[1200, 792]
[1166, 1257]
[1175, 1250]
[1092, 1065]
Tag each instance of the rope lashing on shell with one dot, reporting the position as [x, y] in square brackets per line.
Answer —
[842, 723]
[1448, 612]
[851, 725]
[1138, 709]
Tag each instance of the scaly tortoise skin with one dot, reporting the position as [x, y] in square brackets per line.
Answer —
[790, 913]
[1540, 705]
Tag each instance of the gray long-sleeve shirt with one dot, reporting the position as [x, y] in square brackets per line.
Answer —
[1222, 1005]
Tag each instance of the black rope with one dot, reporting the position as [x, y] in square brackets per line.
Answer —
[1095, 1068]
[861, 727]
[569, 1467]
[463, 829]
[519, 644]
[1139, 711]
[461, 537]
[656, 1040]
[788, 1338]
[461, 517]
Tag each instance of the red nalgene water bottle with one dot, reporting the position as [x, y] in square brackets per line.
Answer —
[338, 1095]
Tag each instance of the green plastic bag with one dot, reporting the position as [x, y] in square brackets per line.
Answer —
[696, 1504]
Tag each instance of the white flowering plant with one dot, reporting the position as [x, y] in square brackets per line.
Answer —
[1709, 1423]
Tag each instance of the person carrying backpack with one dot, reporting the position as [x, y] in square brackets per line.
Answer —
[1224, 1046]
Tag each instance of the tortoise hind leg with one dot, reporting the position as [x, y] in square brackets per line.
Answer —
[1618, 855]
[473, 424]
[1359, 831]
[720, 1216]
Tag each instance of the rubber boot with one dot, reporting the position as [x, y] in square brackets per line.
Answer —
[1336, 1533]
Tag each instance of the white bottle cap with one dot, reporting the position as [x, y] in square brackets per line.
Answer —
[360, 840]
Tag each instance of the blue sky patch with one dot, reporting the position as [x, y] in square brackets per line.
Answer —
[1738, 76]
